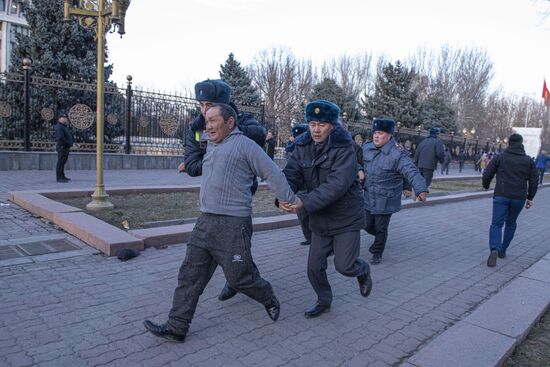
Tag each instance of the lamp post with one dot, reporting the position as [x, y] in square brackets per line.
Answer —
[99, 15]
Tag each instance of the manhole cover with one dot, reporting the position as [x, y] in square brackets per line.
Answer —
[8, 252]
[47, 247]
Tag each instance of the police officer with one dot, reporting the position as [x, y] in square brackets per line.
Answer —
[324, 163]
[64, 142]
[388, 171]
[298, 130]
[207, 93]
[428, 153]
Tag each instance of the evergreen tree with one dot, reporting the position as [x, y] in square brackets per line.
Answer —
[435, 113]
[329, 90]
[243, 92]
[393, 96]
[63, 51]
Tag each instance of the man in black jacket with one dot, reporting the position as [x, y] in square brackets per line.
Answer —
[427, 154]
[64, 142]
[207, 93]
[269, 146]
[516, 186]
[324, 163]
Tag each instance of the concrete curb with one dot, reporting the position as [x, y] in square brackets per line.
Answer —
[489, 335]
[109, 239]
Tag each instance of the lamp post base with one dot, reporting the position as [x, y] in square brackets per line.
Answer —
[100, 200]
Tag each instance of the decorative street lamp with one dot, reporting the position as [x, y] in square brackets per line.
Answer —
[101, 16]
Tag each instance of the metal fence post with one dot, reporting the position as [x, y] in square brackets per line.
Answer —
[128, 113]
[263, 114]
[27, 101]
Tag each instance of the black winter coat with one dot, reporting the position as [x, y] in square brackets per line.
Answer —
[195, 147]
[63, 136]
[333, 198]
[514, 169]
[429, 152]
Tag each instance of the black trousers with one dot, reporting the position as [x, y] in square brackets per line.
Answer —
[216, 240]
[460, 166]
[304, 223]
[428, 174]
[62, 156]
[346, 247]
[377, 225]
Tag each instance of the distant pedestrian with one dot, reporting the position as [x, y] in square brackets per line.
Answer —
[483, 162]
[325, 163]
[427, 154]
[516, 186]
[222, 233]
[446, 162]
[477, 158]
[461, 159]
[542, 161]
[388, 171]
[64, 142]
[269, 145]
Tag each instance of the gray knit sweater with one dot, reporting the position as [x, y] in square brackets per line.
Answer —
[228, 169]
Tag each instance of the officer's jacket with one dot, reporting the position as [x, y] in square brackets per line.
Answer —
[195, 144]
[386, 168]
[429, 152]
[332, 197]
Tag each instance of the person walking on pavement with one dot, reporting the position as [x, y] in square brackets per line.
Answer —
[269, 145]
[303, 218]
[461, 160]
[64, 142]
[388, 171]
[516, 186]
[541, 162]
[446, 162]
[427, 154]
[223, 231]
[207, 93]
[324, 162]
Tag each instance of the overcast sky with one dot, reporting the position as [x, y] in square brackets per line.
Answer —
[171, 44]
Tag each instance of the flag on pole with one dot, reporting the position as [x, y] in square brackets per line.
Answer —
[546, 94]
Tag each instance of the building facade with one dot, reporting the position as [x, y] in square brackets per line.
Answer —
[11, 23]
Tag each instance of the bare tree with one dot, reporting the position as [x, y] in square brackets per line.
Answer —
[284, 84]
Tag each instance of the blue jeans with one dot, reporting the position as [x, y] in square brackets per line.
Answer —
[504, 210]
[541, 175]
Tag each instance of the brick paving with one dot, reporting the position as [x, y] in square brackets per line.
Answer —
[87, 310]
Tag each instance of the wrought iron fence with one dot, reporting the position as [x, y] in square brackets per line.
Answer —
[136, 121]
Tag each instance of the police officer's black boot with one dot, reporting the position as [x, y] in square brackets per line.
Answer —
[365, 283]
[316, 310]
[273, 309]
[162, 331]
[227, 292]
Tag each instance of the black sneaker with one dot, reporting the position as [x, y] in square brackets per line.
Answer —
[502, 254]
[163, 332]
[305, 243]
[376, 259]
[273, 309]
[63, 180]
[492, 259]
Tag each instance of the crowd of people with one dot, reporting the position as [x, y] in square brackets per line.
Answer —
[337, 185]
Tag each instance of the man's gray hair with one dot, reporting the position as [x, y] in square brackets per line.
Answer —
[226, 111]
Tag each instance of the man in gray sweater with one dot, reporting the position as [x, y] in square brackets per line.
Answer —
[223, 231]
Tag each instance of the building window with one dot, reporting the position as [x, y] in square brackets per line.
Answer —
[2, 5]
[14, 8]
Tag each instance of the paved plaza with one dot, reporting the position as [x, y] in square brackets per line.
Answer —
[87, 309]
